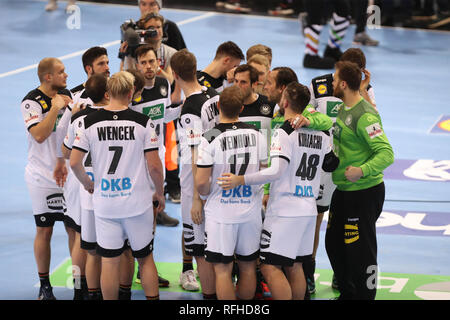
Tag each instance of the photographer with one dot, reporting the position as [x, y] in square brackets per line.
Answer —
[149, 30]
[171, 34]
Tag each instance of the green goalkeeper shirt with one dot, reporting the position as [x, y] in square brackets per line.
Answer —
[360, 141]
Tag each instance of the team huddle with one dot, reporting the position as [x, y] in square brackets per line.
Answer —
[260, 158]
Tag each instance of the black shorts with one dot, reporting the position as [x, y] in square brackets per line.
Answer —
[46, 220]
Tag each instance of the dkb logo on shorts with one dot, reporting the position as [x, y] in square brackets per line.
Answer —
[351, 232]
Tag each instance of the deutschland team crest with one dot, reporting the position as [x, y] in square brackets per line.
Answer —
[163, 91]
[265, 109]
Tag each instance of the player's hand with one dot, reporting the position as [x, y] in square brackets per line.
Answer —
[67, 99]
[365, 82]
[161, 202]
[59, 101]
[60, 172]
[299, 121]
[78, 107]
[265, 200]
[88, 184]
[197, 211]
[353, 174]
[230, 75]
[123, 47]
[230, 181]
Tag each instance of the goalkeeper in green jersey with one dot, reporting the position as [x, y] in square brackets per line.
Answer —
[364, 153]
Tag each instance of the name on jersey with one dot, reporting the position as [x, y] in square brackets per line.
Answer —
[212, 111]
[309, 141]
[116, 133]
[238, 141]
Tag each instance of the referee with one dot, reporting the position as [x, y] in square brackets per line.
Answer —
[364, 152]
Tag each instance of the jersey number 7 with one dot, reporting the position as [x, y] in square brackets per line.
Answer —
[114, 163]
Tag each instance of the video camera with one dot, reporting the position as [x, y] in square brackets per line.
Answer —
[134, 36]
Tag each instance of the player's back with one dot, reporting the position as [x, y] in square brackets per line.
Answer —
[295, 192]
[117, 141]
[199, 114]
[238, 148]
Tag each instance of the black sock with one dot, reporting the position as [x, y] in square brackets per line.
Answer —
[187, 265]
[124, 292]
[45, 279]
[95, 294]
[152, 298]
[212, 296]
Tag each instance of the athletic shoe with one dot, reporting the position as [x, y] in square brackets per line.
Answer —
[281, 10]
[163, 283]
[220, 4]
[236, 7]
[334, 53]
[334, 283]
[188, 281]
[317, 62]
[52, 5]
[174, 196]
[363, 38]
[164, 219]
[46, 293]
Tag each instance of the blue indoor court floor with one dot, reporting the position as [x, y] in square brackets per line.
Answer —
[410, 74]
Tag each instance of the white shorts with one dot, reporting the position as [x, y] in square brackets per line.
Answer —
[223, 241]
[72, 196]
[194, 234]
[48, 205]
[88, 235]
[285, 240]
[326, 190]
[113, 233]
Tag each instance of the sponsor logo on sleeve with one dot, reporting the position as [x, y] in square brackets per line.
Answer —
[374, 130]
[43, 104]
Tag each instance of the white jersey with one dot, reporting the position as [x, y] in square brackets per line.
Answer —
[41, 156]
[155, 102]
[75, 129]
[199, 114]
[238, 148]
[322, 99]
[117, 142]
[294, 193]
[79, 95]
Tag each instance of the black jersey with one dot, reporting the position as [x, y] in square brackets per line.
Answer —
[208, 81]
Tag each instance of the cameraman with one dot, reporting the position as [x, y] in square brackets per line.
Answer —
[171, 34]
[150, 31]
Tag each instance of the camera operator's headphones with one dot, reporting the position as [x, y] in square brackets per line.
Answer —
[141, 22]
